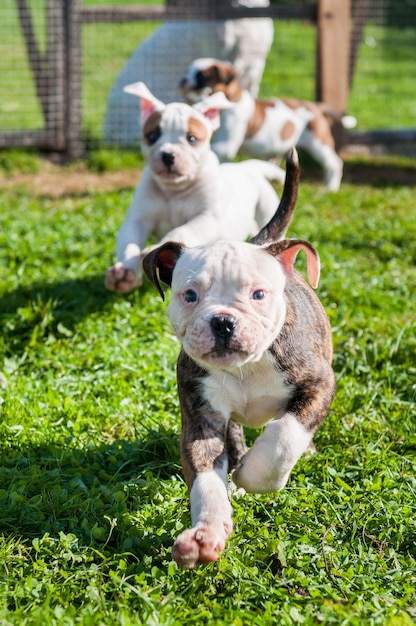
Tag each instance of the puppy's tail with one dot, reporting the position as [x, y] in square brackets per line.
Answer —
[348, 121]
[269, 170]
[278, 225]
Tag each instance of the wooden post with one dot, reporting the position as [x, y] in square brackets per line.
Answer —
[333, 59]
[55, 69]
[73, 84]
[333, 53]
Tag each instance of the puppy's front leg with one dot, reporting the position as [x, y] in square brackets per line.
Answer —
[267, 465]
[126, 274]
[205, 465]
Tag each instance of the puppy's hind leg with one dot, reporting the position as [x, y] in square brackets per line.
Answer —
[236, 446]
[324, 153]
[333, 168]
[267, 465]
[236, 450]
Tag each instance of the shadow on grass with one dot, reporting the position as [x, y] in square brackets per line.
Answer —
[379, 175]
[375, 172]
[102, 495]
[55, 307]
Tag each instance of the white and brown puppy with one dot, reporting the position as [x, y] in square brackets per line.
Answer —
[185, 194]
[265, 128]
[256, 351]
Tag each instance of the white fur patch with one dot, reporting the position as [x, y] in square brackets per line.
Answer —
[251, 395]
[267, 465]
[209, 499]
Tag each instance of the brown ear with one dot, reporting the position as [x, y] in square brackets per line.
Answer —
[160, 263]
[225, 77]
[286, 250]
[225, 73]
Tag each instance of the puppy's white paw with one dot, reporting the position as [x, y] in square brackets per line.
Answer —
[121, 279]
[234, 491]
[202, 544]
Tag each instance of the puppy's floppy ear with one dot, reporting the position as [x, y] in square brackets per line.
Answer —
[149, 102]
[210, 107]
[226, 81]
[160, 263]
[225, 72]
[286, 250]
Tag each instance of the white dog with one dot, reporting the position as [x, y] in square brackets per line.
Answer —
[265, 129]
[167, 52]
[184, 194]
[256, 351]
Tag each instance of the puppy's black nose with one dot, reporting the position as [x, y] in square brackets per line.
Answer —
[223, 327]
[168, 158]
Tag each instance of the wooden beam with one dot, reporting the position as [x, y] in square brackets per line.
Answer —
[41, 139]
[277, 11]
[191, 10]
[118, 14]
[183, 10]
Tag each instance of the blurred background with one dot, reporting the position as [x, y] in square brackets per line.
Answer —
[59, 62]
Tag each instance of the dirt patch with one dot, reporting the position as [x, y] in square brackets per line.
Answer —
[53, 181]
[57, 182]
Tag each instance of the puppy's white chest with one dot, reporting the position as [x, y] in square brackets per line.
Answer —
[251, 395]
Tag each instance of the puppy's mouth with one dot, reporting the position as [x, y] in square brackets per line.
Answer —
[193, 94]
[168, 172]
[226, 357]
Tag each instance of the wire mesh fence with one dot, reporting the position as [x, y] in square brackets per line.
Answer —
[63, 64]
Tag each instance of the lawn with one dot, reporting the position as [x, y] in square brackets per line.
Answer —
[91, 489]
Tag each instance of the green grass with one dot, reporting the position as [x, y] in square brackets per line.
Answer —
[91, 490]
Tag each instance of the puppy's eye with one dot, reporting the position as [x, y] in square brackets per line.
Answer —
[153, 136]
[199, 79]
[192, 139]
[259, 294]
[190, 296]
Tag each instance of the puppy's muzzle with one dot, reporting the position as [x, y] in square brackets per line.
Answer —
[223, 327]
[168, 159]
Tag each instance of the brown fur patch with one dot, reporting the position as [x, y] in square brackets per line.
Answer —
[197, 128]
[319, 124]
[257, 118]
[321, 128]
[287, 130]
[233, 91]
[223, 77]
[303, 351]
[204, 432]
[152, 123]
[294, 103]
